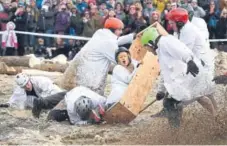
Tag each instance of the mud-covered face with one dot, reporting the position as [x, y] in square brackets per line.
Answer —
[123, 59]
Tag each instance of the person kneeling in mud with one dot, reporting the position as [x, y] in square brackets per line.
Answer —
[122, 75]
[29, 90]
[83, 106]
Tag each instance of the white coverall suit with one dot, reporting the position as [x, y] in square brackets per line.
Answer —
[72, 96]
[42, 86]
[193, 38]
[120, 80]
[94, 59]
[173, 58]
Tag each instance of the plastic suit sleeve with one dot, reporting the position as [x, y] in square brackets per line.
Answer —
[126, 39]
[119, 74]
[177, 51]
[161, 87]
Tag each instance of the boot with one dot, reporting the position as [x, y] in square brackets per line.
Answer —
[162, 114]
[38, 105]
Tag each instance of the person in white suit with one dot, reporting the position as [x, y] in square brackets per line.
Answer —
[192, 37]
[30, 89]
[183, 76]
[94, 59]
[83, 106]
[122, 75]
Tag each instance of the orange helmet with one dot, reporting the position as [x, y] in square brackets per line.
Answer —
[178, 15]
[113, 23]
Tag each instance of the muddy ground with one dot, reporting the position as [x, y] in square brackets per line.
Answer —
[198, 127]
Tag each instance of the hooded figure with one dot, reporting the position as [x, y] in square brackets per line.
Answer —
[9, 39]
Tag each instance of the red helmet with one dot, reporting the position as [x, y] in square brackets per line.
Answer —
[113, 23]
[178, 15]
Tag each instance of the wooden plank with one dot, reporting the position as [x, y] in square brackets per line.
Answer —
[141, 84]
[136, 49]
[118, 113]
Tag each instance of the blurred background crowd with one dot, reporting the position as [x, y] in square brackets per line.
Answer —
[84, 17]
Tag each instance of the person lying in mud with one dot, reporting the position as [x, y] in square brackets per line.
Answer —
[30, 88]
[122, 75]
[85, 106]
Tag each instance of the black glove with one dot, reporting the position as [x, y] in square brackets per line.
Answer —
[202, 62]
[222, 79]
[4, 105]
[192, 68]
[160, 95]
[58, 115]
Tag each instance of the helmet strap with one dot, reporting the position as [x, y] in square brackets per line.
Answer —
[179, 26]
[129, 60]
[154, 44]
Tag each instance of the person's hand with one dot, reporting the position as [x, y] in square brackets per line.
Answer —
[160, 95]
[4, 105]
[192, 68]
[222, 79]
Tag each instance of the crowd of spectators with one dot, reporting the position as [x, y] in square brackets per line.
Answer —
[84, 17]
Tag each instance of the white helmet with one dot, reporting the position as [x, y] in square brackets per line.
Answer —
[22, 79]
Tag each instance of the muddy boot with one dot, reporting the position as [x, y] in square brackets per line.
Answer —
[38, 105]
[175, 117]
[162, 114]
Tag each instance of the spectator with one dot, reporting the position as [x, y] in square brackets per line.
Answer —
[130, 19]
[111, 4]
[81, 6]
[173, 6]
[155, 17]
[59, 48]
[166, 24]
[184, 4]
[119, 10]
[160, 5]
[1, 7]
[9, 40]
[148, 10]
[20, 21]
[41, 49]
[30, 27]
[102, 9]
[96, 19]
[223, 4]
[212, 16]
[139, 23]
[76, 22]
[45, 23]
[198, 11]
[62, 20]
[88, 27]
[221, 29]
[74, 47]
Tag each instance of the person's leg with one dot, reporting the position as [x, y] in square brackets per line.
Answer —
[46, 103]
[207, 104]
[48, 40]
